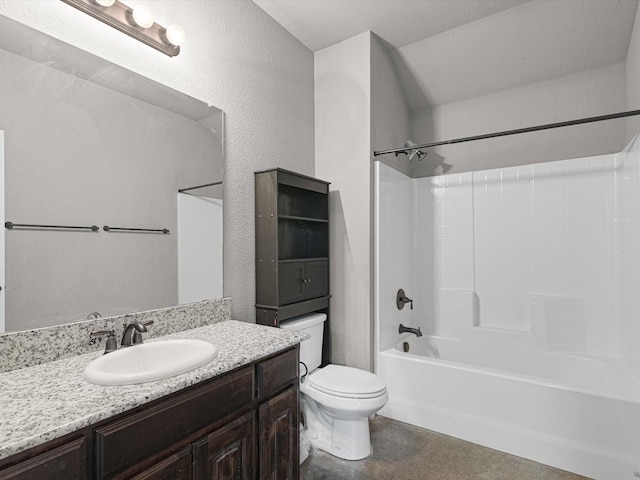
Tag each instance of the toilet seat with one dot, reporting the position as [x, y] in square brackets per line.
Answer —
[347, 382]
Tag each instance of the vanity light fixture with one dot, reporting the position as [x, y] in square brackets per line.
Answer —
[137, 23]
[175, 35]
[142, 16]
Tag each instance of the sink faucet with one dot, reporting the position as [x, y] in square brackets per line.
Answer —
[129, 337]
[415, 331]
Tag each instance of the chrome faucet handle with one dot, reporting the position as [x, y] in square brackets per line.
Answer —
[101, 333]
[111, 344]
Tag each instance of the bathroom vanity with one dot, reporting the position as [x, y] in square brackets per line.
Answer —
[234, 418]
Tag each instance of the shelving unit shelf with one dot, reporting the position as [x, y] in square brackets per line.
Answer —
[292, 247]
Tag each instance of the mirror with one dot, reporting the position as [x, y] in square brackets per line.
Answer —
[88, 143]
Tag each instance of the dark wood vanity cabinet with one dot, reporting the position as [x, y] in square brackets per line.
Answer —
[229, 452]
[175, 467]
[242, 425]
[279, 442]
[61, 462]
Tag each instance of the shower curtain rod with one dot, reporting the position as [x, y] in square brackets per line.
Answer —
[548, 126]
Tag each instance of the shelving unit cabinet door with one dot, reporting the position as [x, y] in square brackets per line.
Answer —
[291, 282]
[317, 279]
[228, 453]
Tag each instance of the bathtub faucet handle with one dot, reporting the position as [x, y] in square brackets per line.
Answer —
[402, 299]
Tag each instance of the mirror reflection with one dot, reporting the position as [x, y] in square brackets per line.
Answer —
[88, 143]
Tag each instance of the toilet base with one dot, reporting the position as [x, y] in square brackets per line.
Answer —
[351, 439]
[346, 439]
[305, 445]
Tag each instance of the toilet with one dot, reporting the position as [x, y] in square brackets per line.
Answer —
[336, 401]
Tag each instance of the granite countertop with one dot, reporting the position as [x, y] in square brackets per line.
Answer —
[47, 401]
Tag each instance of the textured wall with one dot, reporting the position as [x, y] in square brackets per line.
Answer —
[390, 125]
[359, 107]
[235, 57]
[633, 79]
[586, 94]
[343, 142]
[390, 115]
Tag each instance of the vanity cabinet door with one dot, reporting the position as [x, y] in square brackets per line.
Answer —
[279, 437]
[176, 467]
[228, 453]
[60, 463]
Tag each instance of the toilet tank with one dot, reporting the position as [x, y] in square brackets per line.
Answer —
[310, 349]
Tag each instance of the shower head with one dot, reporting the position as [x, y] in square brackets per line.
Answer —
[414, 152]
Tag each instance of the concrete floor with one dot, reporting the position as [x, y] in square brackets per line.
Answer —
[404, 452]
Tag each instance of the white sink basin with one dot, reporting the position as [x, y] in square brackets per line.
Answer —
[149, 361]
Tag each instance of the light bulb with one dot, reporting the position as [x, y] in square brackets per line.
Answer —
[143, 17]
[175, 35]
[105, 3]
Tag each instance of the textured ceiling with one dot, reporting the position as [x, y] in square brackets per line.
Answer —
[450, 50]
[321, 23]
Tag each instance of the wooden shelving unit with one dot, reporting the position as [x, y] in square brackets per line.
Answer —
[292, 247]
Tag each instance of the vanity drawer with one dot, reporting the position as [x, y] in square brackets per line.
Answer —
[60, 463]
[277, 373]
[135, 437]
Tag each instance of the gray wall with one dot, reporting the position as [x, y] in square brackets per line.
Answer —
[359, 108]
[343, 139]
[633, 79]
[390, 116]
[235, 57]
[390, 127]
[80, 154]
[589, 93]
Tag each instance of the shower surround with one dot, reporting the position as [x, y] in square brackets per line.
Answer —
[539, 260]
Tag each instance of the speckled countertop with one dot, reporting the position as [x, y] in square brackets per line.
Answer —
[40, 403]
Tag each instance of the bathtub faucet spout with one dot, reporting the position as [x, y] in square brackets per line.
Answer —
[415, 331]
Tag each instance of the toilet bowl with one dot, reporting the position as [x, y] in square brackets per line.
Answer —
[337, 404]
[336, 401]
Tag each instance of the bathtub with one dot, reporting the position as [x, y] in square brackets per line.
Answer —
[573, 412]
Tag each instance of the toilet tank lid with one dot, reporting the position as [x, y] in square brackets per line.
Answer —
[304, 321]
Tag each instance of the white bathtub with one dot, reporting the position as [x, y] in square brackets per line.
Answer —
[572, 412]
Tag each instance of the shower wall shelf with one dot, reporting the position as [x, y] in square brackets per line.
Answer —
[292, 247]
